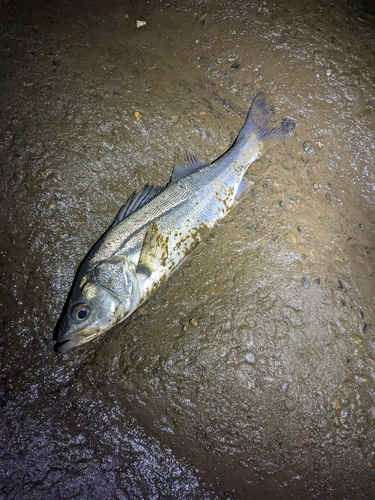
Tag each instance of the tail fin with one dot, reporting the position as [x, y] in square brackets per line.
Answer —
[259, 121]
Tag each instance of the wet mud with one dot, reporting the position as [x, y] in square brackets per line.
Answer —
[251, 372]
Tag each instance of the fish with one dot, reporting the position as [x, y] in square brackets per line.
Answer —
[158, 228]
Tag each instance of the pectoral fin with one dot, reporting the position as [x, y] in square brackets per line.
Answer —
[154, 252]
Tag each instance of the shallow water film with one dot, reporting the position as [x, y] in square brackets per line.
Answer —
[250, 373]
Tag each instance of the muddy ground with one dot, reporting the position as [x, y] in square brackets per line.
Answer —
[271, 394]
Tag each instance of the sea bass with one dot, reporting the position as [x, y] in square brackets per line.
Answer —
[158, 228]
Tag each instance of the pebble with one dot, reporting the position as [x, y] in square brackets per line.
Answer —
[308, 147]
[140, 23]
[137, 115]
[251, 229]
[193, 322]
[250, 358]
[290, 236]
[305, 283]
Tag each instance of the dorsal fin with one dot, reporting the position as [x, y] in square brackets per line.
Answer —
[136, 201]
[182, 170]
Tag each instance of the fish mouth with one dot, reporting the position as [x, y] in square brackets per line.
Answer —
[65, 339]
[64, 346]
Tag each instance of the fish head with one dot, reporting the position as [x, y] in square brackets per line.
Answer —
[101, 298]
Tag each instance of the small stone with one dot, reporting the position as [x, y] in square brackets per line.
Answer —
[137, 115]
[290, 236]
[315, 185]
[235, 65]
[140, 23]
[308, 147]
[193, 322]
[336, 404]
[251, 229]
[298, 267]
[305, 283]
[52, 205]
[329, 72]
[250, 358]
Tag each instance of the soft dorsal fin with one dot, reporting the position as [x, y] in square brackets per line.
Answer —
[136, 201]
[182, 170]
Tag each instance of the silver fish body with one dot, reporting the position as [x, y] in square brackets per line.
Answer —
[156, 229]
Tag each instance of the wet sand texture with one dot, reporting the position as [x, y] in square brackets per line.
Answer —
[250, 373]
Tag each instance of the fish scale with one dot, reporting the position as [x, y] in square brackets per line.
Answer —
[157, 229]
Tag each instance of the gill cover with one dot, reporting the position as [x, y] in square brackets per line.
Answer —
[101, 298]
[117, 276]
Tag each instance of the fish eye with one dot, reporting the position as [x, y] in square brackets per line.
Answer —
[80, 312]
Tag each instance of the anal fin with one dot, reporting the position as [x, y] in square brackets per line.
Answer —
[242, 190]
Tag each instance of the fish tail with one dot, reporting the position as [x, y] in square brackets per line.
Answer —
[259, 121]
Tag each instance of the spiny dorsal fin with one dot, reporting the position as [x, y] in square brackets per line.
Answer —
[182, 170]
[135, 201]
